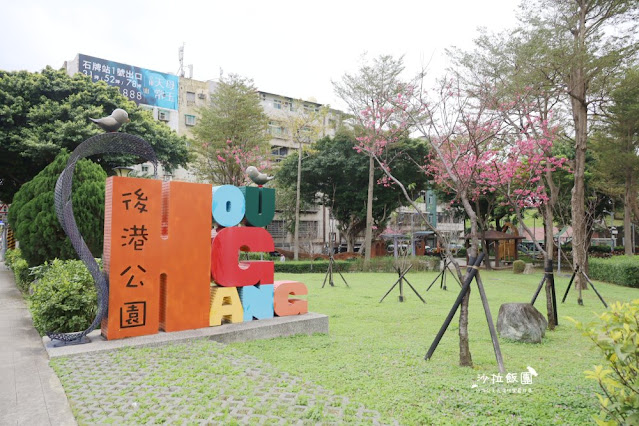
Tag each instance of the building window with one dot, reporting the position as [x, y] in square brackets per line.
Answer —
[277, 104]
[308, 108]
[145, 168]
[288, 105]
[308, 229]
[189, 120]
[164, 115]
[190, 98]
[279, 152]
[276, 129]
[277, 229]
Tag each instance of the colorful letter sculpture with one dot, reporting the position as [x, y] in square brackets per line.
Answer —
[160, 259]
[260, 205]
[257, 301]
[284, 306]
[225, 268]
[225, 305]
[156, 252]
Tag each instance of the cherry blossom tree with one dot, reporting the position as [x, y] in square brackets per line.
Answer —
[462, 132]
[522, 174]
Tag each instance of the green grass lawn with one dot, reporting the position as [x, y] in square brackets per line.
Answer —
[374, 352]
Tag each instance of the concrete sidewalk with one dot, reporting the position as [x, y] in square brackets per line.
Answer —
[30, 392]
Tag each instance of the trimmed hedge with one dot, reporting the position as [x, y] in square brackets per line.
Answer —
[376, 264]
[387, 264]
[622, 270]
[14, 261]
[306, 266]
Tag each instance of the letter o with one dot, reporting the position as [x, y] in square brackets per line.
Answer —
[228, 205]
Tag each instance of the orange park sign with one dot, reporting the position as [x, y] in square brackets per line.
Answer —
[167, 273]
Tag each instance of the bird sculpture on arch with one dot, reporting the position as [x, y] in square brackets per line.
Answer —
[112, 122]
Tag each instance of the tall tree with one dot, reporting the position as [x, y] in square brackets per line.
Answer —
[45, 112]
[582, 43]
[615, 147]
[231, 133]
[368, 93]
[304, 123]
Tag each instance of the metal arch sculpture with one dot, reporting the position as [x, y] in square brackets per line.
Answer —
[106, 143]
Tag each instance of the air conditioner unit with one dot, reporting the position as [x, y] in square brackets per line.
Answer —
[163, 115]
[201, 95]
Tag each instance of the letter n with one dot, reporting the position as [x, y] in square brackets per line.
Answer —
[257, 301]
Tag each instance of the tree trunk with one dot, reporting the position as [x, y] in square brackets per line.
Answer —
[627, 215]
[548, 257]
[577, 90]
[296, 242]
[465, 358]
[486, 247]
[368, 238]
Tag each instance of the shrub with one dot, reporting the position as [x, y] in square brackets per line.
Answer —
[32, 214]
[11, 256]
[602, 248]
[519, 266]
[20, 268]
[622, 270]
[306, 266]
[64, 298]
[616, 335]
[387, 264]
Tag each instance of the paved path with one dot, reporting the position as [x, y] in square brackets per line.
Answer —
[30, 392]
[198, 382]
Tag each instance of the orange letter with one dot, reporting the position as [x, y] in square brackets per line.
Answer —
[156, 244]
[284, 306]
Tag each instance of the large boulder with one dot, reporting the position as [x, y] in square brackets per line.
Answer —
[521, 322]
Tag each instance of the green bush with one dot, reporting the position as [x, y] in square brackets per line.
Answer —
[616, 335]
[11, 256]
[519, 266]
[388, 263]
[622, 270]
[64, 299]
[32, 214]
[307, 266]
[602, 248]
[20, 268]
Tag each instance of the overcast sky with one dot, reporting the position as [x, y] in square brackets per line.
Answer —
[292, 48]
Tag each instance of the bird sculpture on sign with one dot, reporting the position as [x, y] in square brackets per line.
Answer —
[112, 122]
[257, 177]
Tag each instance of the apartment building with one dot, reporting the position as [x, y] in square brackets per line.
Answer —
[410, 222]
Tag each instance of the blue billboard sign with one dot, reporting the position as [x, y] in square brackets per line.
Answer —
[140, 85]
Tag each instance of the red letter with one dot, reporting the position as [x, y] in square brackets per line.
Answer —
[225, 269]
